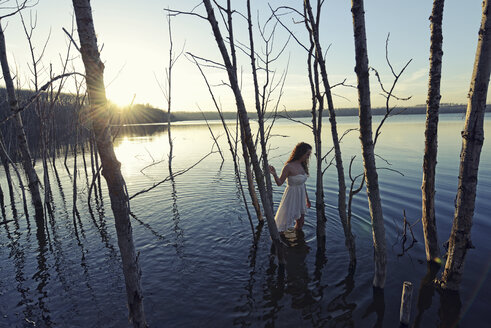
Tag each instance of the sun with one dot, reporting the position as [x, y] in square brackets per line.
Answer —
[120, 97]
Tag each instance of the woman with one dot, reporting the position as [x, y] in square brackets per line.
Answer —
[295, 199]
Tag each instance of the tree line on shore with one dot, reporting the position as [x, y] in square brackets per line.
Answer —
[146, 113]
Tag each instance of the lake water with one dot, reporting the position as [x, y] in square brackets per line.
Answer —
[200, 266]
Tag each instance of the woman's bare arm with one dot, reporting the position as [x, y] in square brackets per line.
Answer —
[307, 198]
[284, 174]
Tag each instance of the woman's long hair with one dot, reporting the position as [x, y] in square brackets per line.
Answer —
[300, 149]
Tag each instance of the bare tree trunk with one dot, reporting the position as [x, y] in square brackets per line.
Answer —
[260, 116]
[82, 145]
[169, 95]
[265, 198]
[94, 69]
[66, 156]
[472, 141]
[96, 157]
[44, 156]
[334, 132]
[74, 198]
[92, 160]
[41, 111]
[5, 163]
[33, 180]
[6, 157]
[47, 186]
[2, 204]
[54, 142]
[431, 132]
[365, 115]
[250, 181]
[245, 152]
[317, 101]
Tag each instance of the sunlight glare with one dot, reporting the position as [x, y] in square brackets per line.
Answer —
[135, 153]
[122, 97]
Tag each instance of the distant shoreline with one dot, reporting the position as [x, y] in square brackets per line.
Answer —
[148, 114]
[197, 116]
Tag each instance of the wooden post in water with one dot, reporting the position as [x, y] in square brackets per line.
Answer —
[405, 311]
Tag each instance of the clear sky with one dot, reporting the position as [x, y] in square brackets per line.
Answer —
[134, 35]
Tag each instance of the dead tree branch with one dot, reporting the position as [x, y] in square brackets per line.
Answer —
[215, 140]
[406, 225]
[168, 178]
[173, 12]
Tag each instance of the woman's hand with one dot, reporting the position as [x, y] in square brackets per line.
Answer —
[308, 203]
[279, 180]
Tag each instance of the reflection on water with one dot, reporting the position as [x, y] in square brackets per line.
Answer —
[202, 268]
[377, 306]
[449, 311]
[179, 233]
[297, 275]
[426, 291]
[340, 303]
[42, 276]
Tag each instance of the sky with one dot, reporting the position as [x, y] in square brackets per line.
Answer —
[134, 37]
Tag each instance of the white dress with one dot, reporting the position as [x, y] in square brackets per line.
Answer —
[293, 202]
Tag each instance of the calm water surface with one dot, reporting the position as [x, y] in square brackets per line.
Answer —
[200, 266]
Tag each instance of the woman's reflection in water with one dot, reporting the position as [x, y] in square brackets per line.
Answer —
[307, 294]
[292, 278]
[296, 270]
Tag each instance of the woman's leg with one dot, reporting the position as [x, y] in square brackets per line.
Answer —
[299, 222]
